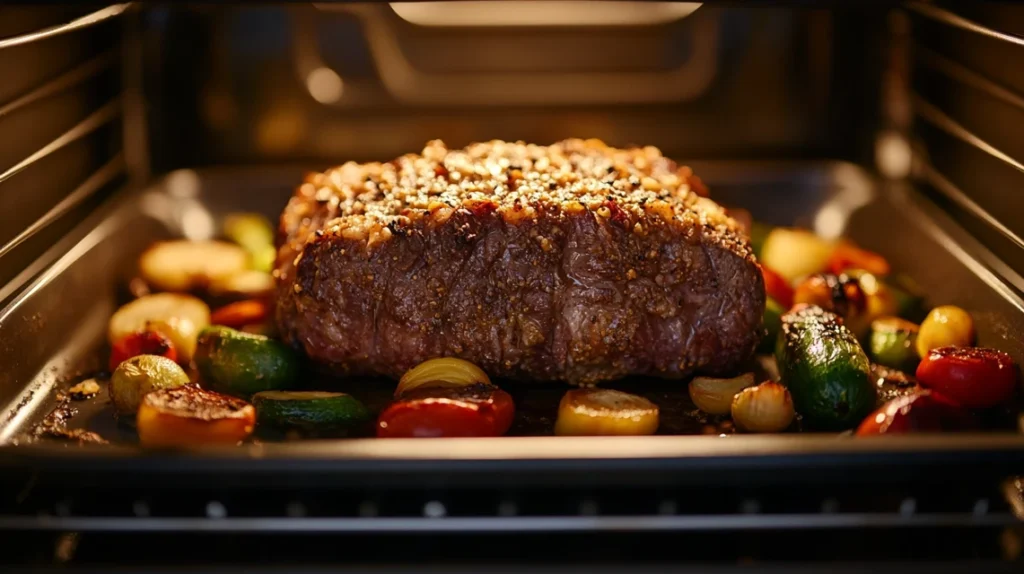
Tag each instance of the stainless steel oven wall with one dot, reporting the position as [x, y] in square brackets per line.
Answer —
[60, 124]
[967, 95]
[244, 84]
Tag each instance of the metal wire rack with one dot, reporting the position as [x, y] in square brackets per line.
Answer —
[963, 135]
[115, 62]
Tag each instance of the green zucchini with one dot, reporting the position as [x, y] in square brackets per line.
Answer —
[892, 343]
[242, 364]
[825, 368]
[772, 321]
[309, 410]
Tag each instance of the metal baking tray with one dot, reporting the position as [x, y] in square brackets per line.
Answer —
[52, 329]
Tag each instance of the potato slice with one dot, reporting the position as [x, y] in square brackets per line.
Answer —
[190, 416]
[250, 284]
[179, 317]
[605, 412]
[184, 265]
[795, 253]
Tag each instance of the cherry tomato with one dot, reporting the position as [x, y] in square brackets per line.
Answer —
[471, 411]
[777, 288]
[973, 377]
[923, 411]
[849, 256]
[141, 343]
[239, 314]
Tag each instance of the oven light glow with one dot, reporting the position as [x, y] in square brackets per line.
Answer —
[325, 85]
[542, 13]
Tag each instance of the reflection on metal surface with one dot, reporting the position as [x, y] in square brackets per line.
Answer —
[280, 130]
[855, 191]
[967, 76]
[55, 86]
[951, 19]
[893, 155]
[325, 85]
[542, 13]
[410, 85]
[925, 110]
[76, 24]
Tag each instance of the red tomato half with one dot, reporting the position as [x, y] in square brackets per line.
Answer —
[849, 256]
[473, 411]
[923, 411]
[777, 288]
[141, 343]
[973, 377]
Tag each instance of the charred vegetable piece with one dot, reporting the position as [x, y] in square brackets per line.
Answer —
[922, 411]
[87, 389]
[478, 410]
[255, 234]
[443, 372]
[776, 287]
[825, 369]
[309, 410]
[242, 364]
[772, 321]
[176, 316]
[604, 412]
[185, 265]
[241, 313]
[848, 256]
[137, 376]
[767, 407]
[189, 416]
[945, 326]
[714, 396]
[149, 342]
[893, 342]
[795, 253]
[908, 298]
[840, 294]
[974, 377]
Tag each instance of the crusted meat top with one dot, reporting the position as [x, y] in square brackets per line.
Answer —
[374, 201]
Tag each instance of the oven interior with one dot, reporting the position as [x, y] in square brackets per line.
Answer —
[888, 121]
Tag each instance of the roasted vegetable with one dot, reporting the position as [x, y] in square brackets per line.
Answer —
[442, 372]
[893, 343]
[922, 411]
[848, 256]
[141, 343]
[839, 294]
[242, 364]
[178, 317]
[309, 410]
[714, 396]
[594, 411]
[248, 284]
[255, 234]
[190, 416]
[795, 253]
[143, 374]
[241, 313]
[945, 326]
[908, 298]
[976, 378]
[825, 369]
[758, 234]
[776, 287]
[479, 410]
[772, 321]
[767, 407]
[184, 265]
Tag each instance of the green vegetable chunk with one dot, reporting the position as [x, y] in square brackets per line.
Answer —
[893, 343]
[908, 298]
[825, 368]
[242, 364]
[772, 321]
[309, 410]
[255, 234]
[134, 378]
[758, 233]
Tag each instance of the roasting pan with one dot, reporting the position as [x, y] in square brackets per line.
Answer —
[53, 322]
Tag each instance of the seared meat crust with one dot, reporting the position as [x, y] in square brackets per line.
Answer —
[574, 262]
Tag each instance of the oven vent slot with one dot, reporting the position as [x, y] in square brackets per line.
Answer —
[500, 510]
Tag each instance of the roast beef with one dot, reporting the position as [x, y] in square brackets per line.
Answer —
[573, 262]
